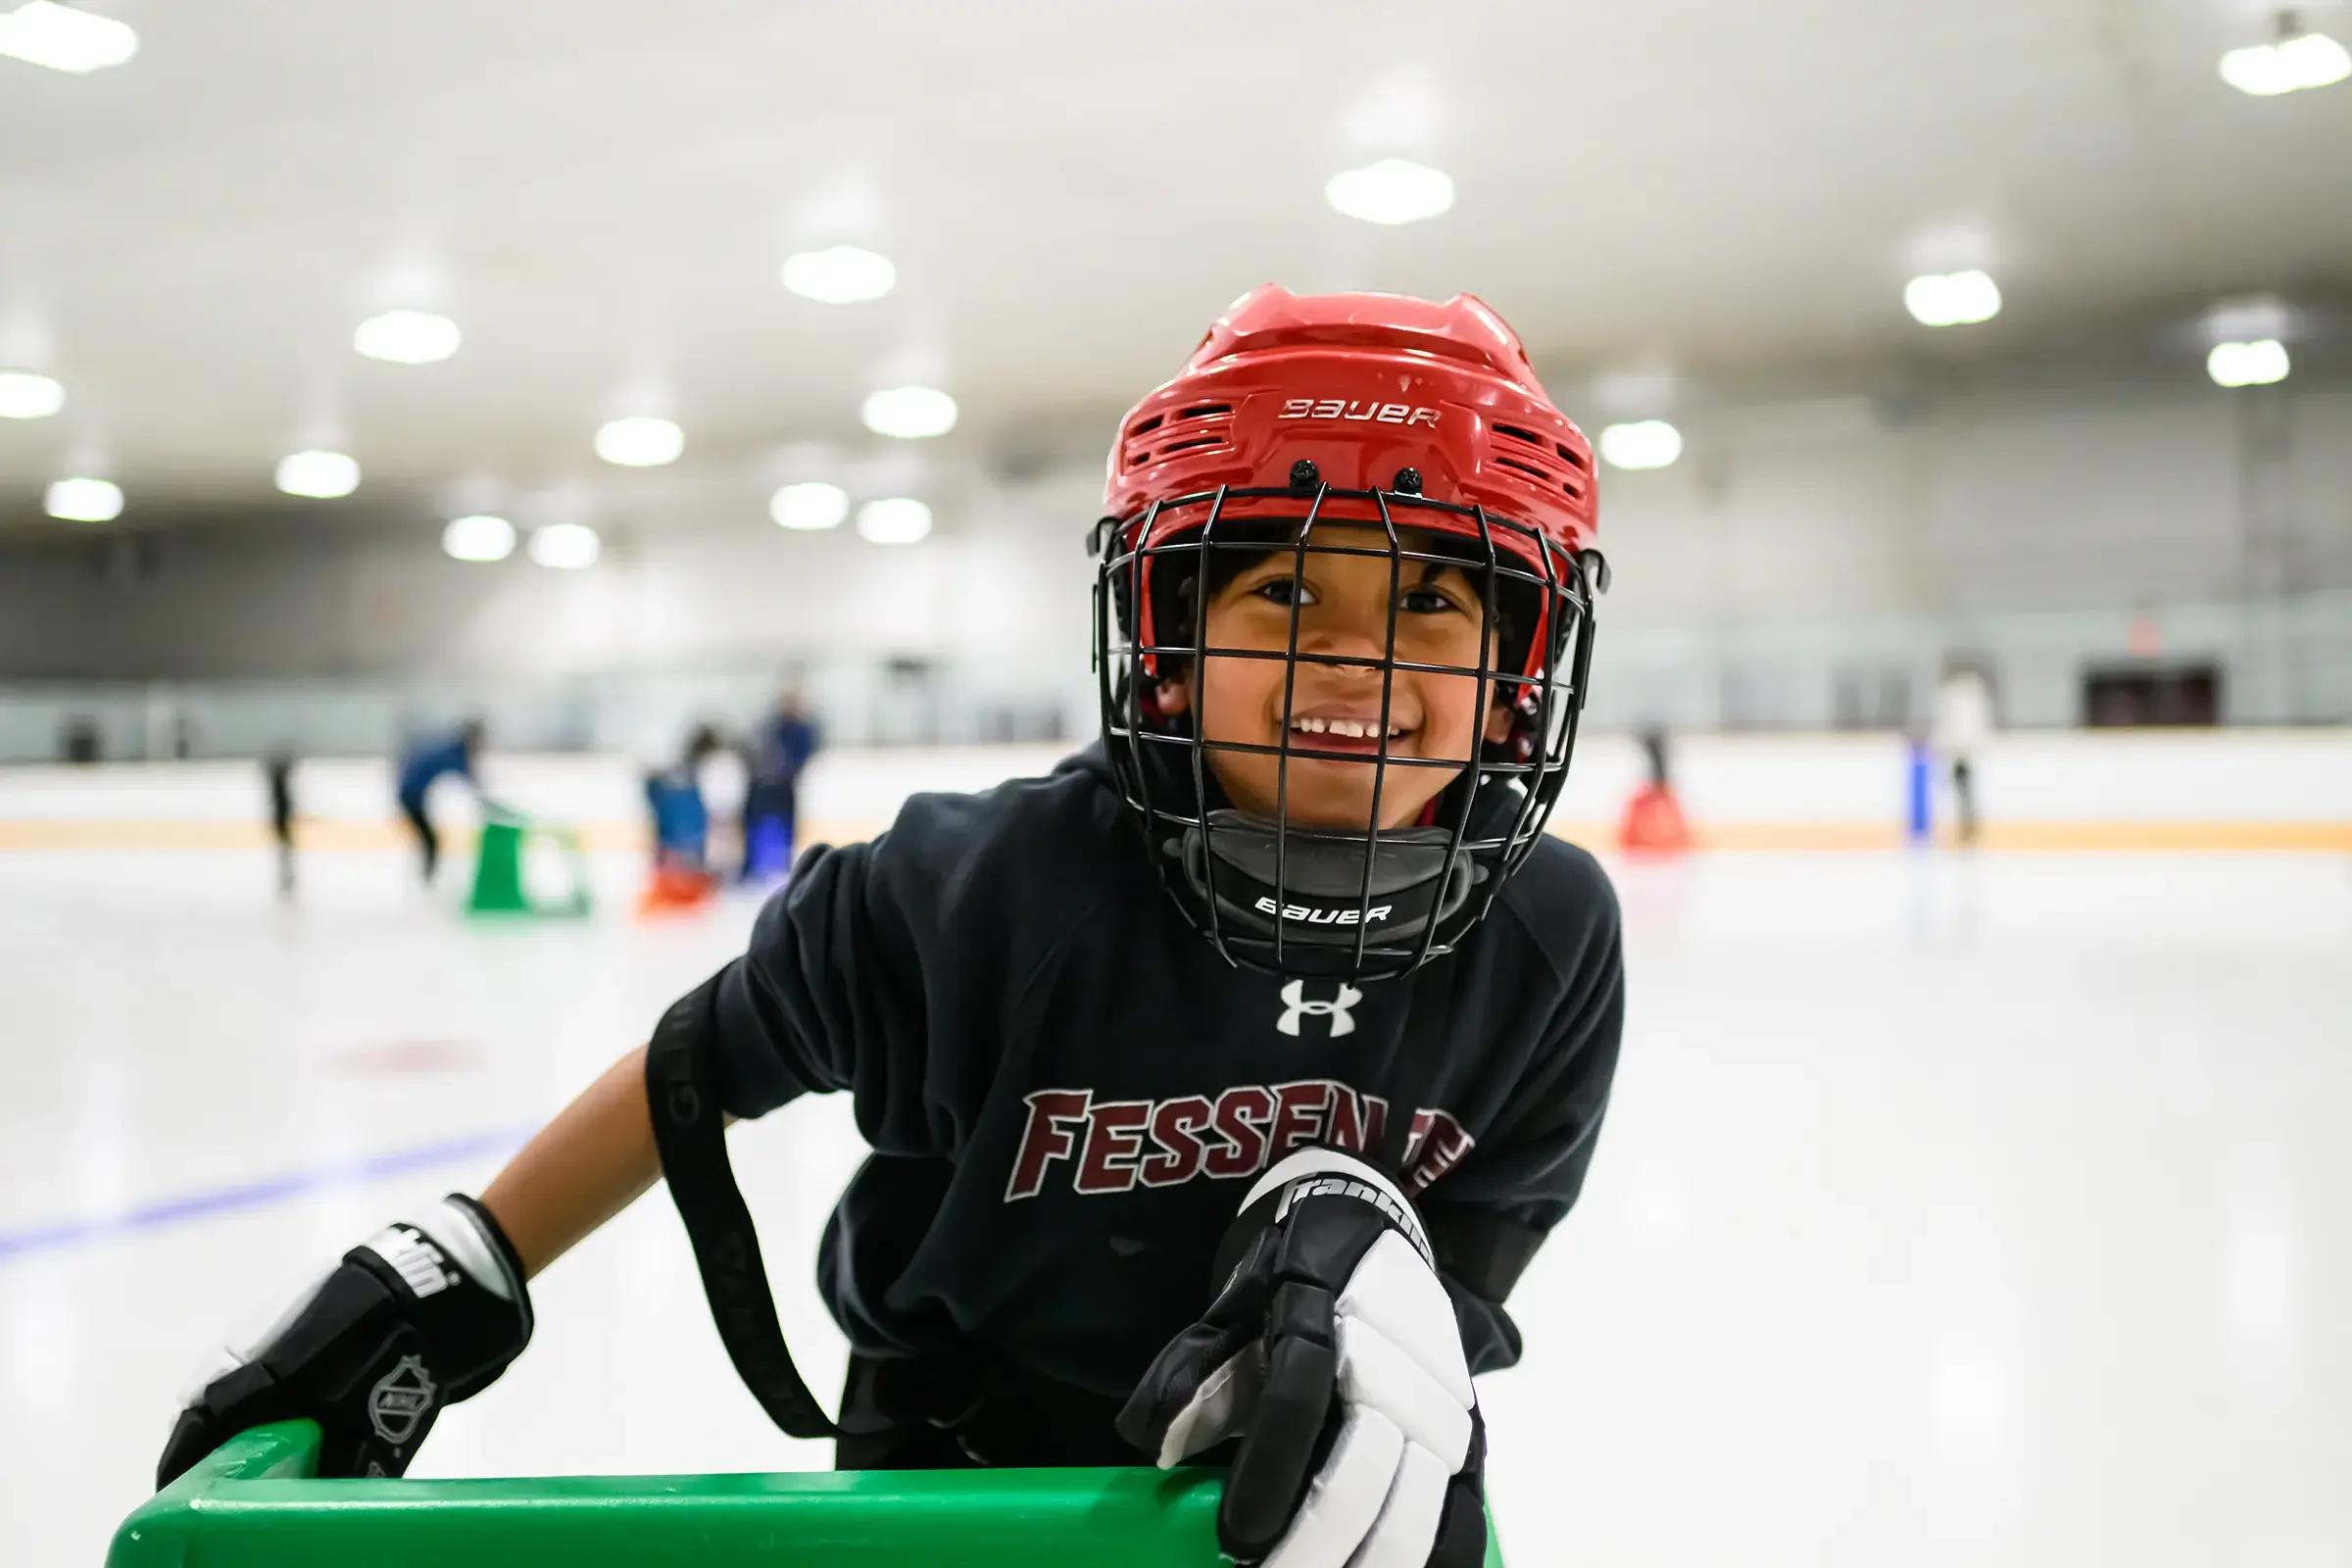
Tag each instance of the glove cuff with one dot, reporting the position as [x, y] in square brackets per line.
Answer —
[1334, 1173]
[460, 1233]
[485, 1252]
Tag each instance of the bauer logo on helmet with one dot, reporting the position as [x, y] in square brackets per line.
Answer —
[1358, 411]
[1326, 916]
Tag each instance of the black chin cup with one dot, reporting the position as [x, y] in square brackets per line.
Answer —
[1325, 890]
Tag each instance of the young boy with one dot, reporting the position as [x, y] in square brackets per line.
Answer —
[1134, 1192]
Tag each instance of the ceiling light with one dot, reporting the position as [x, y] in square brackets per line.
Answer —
[911, 413]
[1952, 299]
[408, 337]
[840, 274]
[2256, 363]
[565, 546]
[640, 442]
[478, 538]
[2292, 65]
[1640, 444]
[66, 40]
[84, 501]
[1391, 191]
[25, 395]
[322, 475]
[809, 506]
[895, 520]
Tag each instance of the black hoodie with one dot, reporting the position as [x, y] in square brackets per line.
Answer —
[1067, 1090]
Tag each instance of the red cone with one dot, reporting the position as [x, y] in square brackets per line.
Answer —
[1653, 823]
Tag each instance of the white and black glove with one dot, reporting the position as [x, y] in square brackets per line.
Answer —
[1333, 1354]
[426, 1313]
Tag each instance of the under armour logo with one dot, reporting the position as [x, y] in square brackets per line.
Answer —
[1295, 1007]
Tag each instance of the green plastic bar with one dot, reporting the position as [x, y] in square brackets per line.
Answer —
[254, 1504]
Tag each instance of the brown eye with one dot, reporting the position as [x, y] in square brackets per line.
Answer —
[1284, 591]
[1427, 601]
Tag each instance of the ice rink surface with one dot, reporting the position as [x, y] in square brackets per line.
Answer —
[1983, 1209]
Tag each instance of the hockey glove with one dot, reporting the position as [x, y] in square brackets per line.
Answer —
[420, 1317]
[1333, 1354]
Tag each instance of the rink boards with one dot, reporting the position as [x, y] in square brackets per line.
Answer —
[2143, 791]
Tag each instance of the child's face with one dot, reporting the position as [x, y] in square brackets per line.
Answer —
[1343, 610]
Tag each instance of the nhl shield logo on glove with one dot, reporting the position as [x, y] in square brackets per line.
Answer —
[1331, 1352]
[399, 1400]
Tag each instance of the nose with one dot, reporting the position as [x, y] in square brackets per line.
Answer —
[1348, 628]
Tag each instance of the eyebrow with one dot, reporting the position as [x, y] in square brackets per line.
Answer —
[1283, 563]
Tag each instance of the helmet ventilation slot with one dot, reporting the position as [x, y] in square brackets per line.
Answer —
[1213, 429]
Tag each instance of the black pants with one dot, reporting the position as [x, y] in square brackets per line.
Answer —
[1964, 795]
[426, 839]
[281, 831]
[925, 1413]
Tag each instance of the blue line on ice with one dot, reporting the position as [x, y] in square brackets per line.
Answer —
[165, 1212]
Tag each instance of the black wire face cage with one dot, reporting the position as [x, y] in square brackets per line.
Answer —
[1291, 899]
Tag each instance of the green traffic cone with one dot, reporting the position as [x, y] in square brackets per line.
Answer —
[498, 888]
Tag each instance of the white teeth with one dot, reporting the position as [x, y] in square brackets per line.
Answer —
[1356, 729]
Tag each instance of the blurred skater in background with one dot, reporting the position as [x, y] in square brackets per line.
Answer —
[424, 762]
[780, 749]
[681, 827]
[1963, 727]
[278, 769]
[725, 777]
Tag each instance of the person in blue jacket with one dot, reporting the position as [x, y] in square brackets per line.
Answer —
[681, 817]
[426, 760]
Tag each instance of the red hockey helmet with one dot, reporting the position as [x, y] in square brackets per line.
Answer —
[1365, 387]
[1426, 421]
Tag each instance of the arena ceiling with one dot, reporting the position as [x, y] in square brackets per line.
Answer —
[1662, 196]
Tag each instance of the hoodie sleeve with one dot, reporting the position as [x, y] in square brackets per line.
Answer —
[886, 969]
[850, 972]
